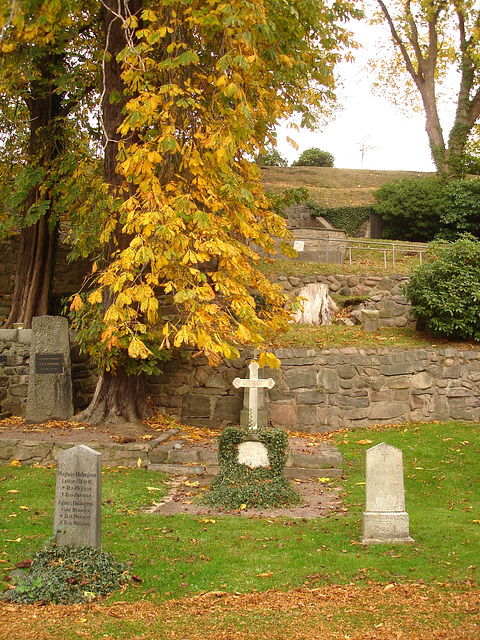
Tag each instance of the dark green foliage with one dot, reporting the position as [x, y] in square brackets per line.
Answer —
[273, 158]
[281, 202]
[412, 209]
[314, 158]
[238, 486]
[423, 210]
[472, 165]
[445, 293]
[463, 214]
[348, 218]
[64, 575]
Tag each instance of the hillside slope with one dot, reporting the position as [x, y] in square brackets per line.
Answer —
[333, 187]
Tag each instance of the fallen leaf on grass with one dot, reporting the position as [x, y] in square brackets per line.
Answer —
[268, 574]
[324, 480]
[15, 463]
[16, 540]
[13, 491]
[365, 441]
[476, 521]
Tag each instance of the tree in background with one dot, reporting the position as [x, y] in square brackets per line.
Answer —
[314, 158]
[430, 38]
[273, 158]
[204, 86]
[46, 73]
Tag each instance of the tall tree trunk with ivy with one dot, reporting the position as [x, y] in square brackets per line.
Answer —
[430, 38]
[38, 241]
[119, 396]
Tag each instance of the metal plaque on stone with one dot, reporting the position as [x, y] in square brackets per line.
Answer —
[49, 363]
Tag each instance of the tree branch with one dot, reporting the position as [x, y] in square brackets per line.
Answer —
[398, 41]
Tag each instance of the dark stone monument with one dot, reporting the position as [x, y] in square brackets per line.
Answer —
[50, 383]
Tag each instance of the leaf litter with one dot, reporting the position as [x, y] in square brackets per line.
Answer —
[331, 612]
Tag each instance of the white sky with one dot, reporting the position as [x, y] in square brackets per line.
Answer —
[400, 142]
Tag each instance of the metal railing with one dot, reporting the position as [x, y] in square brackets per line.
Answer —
[386, 247]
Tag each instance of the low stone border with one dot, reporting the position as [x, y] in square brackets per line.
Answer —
[173, 457]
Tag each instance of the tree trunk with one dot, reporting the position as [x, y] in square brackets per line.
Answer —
[118, 398]
[317, 306]
[33, 273]
[38, 242]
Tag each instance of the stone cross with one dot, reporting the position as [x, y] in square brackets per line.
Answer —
[385, 519]
[76, 520]
[253, 384]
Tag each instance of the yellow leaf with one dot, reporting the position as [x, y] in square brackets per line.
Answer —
[24, 508]
[243, 506]
[324, 480]
[268, 574]
[95, 297]
[16, 540]
[13, 491]
[476, 521]
[77, 303]
[139, 462]
[365, 441]
[15, 463]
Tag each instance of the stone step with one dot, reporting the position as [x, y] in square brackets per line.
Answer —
[325, 459]
[211, 471]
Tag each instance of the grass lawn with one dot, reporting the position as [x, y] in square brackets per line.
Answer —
[244, 578]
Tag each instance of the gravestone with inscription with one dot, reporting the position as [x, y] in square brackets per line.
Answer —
[49, 381]
[385, 519]
[78, 492]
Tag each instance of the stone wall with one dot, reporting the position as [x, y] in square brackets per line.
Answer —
[382, 293]
[314, 390]
[317, 391]
[15, 358]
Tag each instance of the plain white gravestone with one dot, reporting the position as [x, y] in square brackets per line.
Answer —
[253, 384]
[49, 379]
[253, 453]
[385, 519]
[78, 496]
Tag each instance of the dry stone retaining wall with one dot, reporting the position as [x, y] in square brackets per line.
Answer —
[314, 390]
[382, 293]
[317, 391]
[15, 354]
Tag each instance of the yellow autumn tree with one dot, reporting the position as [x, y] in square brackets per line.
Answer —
[204, 85]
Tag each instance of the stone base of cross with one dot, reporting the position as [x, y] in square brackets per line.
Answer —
[253, 384]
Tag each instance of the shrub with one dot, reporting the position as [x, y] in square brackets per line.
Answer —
[64, 575]
[273, 158]
[314, 158]
[445, 293]
[412, 209]
[463, 213]
[472, 164]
